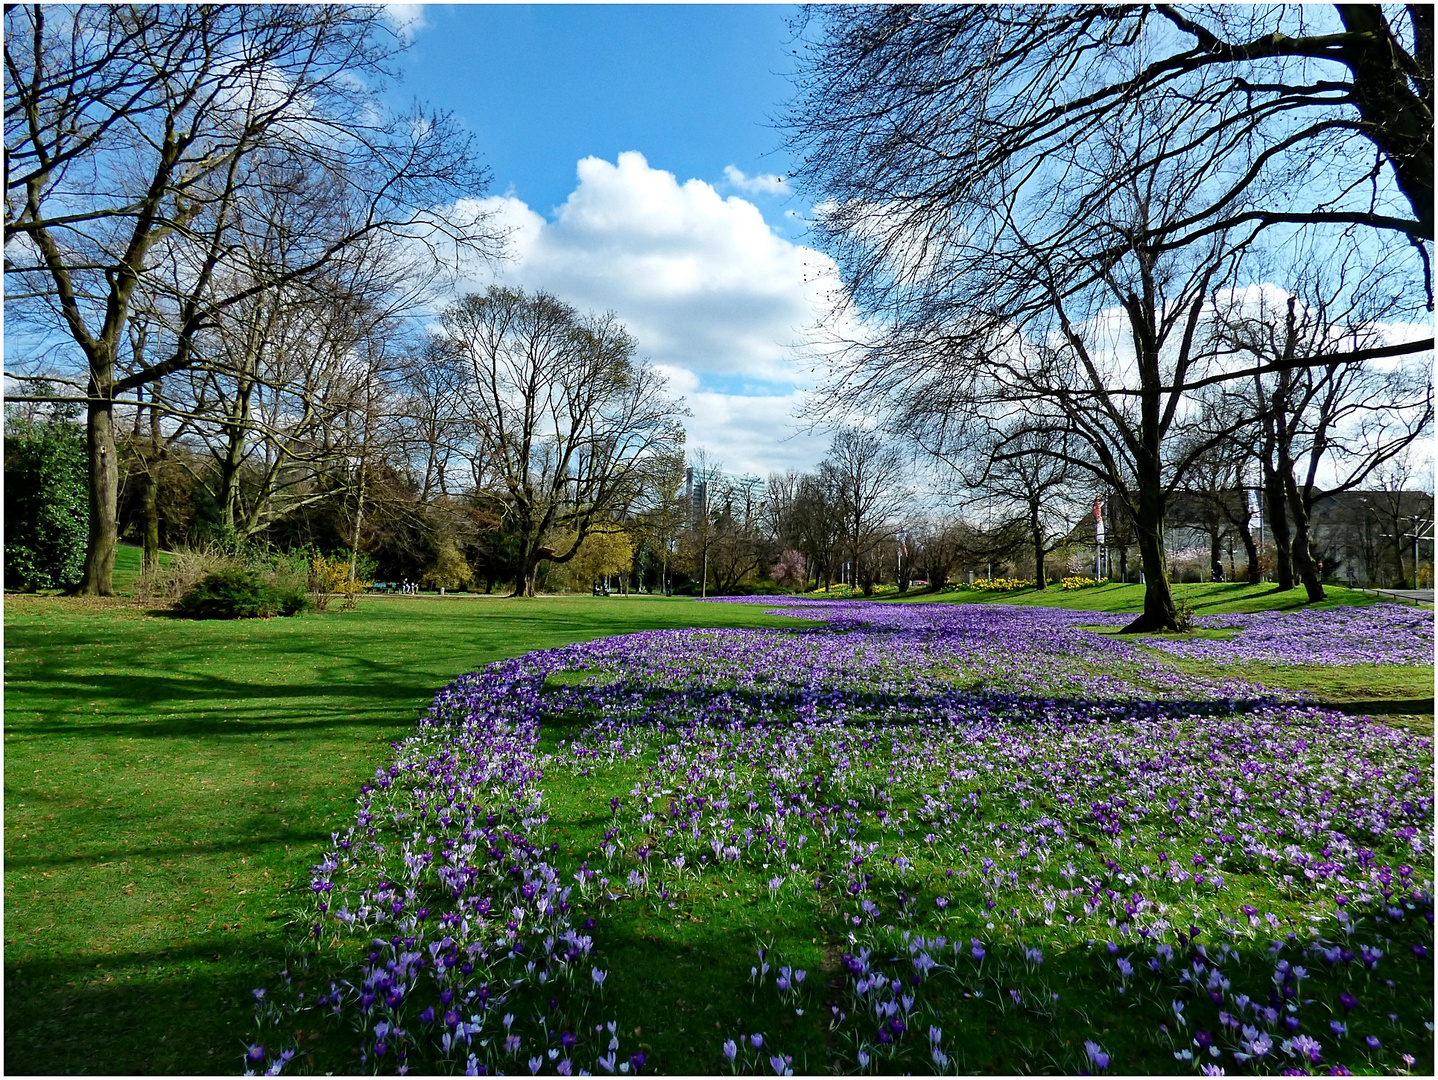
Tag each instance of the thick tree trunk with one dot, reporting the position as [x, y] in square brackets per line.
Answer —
[99, 577]
[1250, 548]
[524, 585]
[524, 580]
[1303, 559]
[1159, 610]
[1304, 562]
[1278, 525]
[229, 493]
[1398, 120]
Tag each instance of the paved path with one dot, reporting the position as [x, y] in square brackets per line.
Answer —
[1413, 596]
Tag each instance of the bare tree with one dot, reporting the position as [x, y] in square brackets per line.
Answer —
[866, 475]
[1216, 502]
[1030, 475]
[921, 114]
[937, 545]
[737, 546]
[1329, 423]
[139, 133]
[816, 523]
[663, 510]
[1040, 207]
[565, 421]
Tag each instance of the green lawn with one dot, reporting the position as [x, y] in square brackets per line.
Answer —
[168, 783]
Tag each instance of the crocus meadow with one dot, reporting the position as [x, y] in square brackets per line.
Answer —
[1027, 847]
[1380, 634]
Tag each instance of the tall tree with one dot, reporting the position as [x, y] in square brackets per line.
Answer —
[1329, 423]
[566, 423]
[135, 133]
[1024, 474]
[866, 475]
[1037, 206]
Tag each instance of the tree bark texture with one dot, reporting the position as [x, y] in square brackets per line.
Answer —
[99, 574]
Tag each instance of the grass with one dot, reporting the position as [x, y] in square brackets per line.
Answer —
[168, 783]
[127, 568]
[678, 947]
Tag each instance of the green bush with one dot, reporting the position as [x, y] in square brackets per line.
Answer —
[240, 594]
[47, 505]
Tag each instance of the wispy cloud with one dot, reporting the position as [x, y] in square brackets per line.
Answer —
[764, 184]
[407, 19]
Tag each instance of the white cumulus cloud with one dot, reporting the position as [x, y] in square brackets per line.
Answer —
[715, 297]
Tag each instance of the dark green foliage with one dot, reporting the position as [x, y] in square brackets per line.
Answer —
[239, 594]
[47, 505]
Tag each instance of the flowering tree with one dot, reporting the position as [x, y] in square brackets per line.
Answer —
[791, 570]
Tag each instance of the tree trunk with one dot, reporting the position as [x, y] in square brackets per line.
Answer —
[1275, 453]
[1400, 122]
[150, 496]
[99, 577]
[1250, 547]
[150, 511]
[1036, 531]
[1123, 564]
[1305, 564]
[1159, 610]
[355, 532]
[236, 433]
[524, 579]
[1302, 553]
[1278, 525]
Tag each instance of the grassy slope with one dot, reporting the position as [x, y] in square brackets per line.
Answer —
[127, 567]
[168, 783]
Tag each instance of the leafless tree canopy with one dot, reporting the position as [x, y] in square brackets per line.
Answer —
[565, 421]
[150, 152]
[1039, 210]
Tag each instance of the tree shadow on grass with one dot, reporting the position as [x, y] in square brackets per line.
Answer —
[160, 852]
[179, 1010]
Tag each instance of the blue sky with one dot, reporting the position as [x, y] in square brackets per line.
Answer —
[635, 155]
[692, 87]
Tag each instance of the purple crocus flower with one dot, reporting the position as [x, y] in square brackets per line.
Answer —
[1096, 1055]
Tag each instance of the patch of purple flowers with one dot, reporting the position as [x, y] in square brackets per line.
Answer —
[1052, 780]
[1379, 634]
